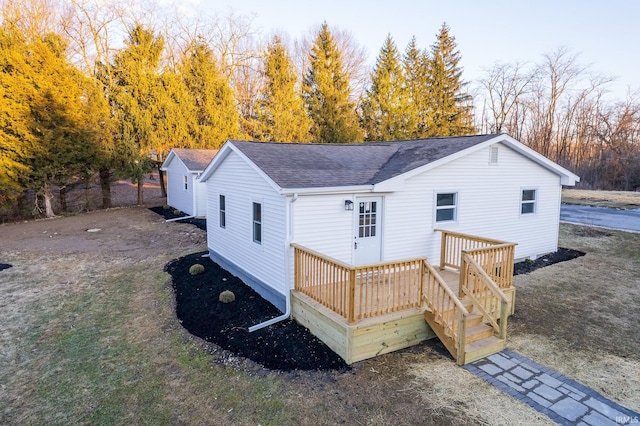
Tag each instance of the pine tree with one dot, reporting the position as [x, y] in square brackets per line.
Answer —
[136, 89]
[450, 104]
[326, 93]
[46, 116]
[415, 63]
[280, 111]
[217, 117]
[385, 107]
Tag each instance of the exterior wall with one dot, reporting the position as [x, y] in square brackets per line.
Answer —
[262, 266]
[321, 223]
[488, 206]
[201, 197]
[177, 196]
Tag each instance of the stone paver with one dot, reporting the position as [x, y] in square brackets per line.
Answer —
[562, 399]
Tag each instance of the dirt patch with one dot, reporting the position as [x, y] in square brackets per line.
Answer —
[285, 345]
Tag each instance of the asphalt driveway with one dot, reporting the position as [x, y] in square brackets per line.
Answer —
[626, 220]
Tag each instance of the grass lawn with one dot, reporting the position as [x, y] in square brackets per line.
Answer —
[89, 336]
[611, 199]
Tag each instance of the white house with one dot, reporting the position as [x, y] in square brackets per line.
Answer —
[183, 167]
[374, 202]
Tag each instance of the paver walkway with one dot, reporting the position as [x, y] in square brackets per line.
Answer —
[564, 400]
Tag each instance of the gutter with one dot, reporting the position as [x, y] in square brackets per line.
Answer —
[287, 247]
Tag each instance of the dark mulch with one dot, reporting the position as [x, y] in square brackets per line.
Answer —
[562, 255]
[168, 213]
[282, 346]
[4, 266]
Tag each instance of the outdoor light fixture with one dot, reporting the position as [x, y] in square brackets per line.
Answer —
[348, 205]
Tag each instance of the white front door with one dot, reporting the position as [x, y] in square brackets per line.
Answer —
[368, 235]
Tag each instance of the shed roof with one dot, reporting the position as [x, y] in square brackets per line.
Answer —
[303, 165]
[196, 160]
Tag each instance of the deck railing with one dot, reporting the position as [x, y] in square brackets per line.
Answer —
[448, 311]
[485, 294]
[357, 292]
[494, 256]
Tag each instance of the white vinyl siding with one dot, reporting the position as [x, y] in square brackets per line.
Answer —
[177, 196]
[321, 223]
[243, 186]
[488, 205]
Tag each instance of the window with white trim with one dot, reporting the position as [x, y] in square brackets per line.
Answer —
[446, 206]
[528, 201]
[186, 182]
[257, 223]
[223, 211]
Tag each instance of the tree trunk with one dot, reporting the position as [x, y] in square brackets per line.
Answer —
[63, 198]
[105, 185]
[48, 197]
[140, 187]
[163, 187]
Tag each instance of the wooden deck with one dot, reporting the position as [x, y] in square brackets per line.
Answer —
[364, 311]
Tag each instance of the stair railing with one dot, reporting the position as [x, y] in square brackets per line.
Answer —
[484, 293]
[447, 309]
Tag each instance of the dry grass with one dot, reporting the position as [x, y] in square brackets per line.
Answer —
[454, 391]
[89, 336]
[612, 199]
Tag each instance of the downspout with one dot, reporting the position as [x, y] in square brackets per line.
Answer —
[179, 218]
[287, 274]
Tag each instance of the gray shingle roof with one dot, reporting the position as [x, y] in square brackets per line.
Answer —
[196, 160]
[297, 165]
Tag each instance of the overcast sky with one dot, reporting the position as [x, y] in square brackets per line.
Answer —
[606, 33]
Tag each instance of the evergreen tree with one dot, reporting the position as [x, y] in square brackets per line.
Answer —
[385, 107]
[52, 131]
[417, 85]
[450, 104]
[326, 93]
[280, 111]
[216, 114]
[136, 88]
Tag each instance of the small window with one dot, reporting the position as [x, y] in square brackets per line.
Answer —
[493, 155]
[257, 223]
[186, 182]
[528, 201]
[223, 212]
[446, 205]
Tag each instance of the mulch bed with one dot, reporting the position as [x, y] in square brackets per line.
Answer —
[562, 255]
[4, 266]
[285, 345]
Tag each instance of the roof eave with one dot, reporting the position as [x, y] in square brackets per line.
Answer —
[328, 190]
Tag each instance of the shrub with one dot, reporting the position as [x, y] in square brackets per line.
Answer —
[227, 296]
[196, 269]
[177, 212]
[166, 207]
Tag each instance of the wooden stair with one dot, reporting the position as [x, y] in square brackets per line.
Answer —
[479, 342]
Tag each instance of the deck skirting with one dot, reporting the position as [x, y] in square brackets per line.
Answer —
[365, 338]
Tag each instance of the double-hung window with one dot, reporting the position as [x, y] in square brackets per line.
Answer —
[223, 211]
[186, 182]
[528, 201]
[257, 223]
[446, 206]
